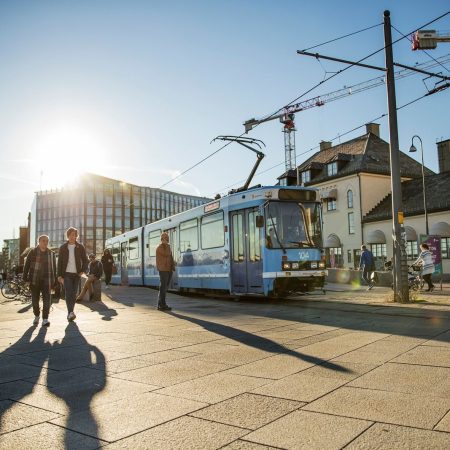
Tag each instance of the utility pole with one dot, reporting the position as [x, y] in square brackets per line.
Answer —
[400, 272]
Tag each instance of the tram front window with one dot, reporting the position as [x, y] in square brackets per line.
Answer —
[293, 225]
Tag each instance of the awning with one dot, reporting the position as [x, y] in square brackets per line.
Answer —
[376, 237]
[332, 241]
[411, 234]
[332, 193]
[440, 229]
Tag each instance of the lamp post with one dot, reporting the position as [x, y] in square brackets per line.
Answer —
[413, 149]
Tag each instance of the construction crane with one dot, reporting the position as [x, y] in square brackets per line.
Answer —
[287, 114]
[428, 39]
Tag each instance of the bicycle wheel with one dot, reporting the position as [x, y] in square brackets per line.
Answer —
[25, 291]
[10, 290]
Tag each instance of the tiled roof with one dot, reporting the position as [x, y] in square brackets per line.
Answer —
[367, 153]
[436, 186]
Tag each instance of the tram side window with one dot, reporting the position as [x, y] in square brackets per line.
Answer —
[189, 235]
[238, 238]
[133, 248]
[154, 238]
[116, 252]
[212, 230]
[254, 240]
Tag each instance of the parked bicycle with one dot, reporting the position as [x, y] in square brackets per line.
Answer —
[14, 288]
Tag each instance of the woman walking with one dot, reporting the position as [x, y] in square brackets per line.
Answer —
[108, 263]
[425, 259]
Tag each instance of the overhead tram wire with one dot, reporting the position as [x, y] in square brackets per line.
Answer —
[302, 95]
[333, 139]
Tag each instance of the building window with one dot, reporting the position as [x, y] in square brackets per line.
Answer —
[351, 223]
[349, 256]
[306, 176]
[331, 204]
[412, 250]
[335, 257]
[332, 169]
[349, 198]
[378, 250]
[445, 247]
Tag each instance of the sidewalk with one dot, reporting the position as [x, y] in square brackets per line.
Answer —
[342, 370]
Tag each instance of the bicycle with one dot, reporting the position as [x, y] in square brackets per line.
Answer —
[16, 288]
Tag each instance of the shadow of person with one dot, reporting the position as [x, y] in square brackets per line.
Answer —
[12, 388]
[103, 310]
[78, 394]
[258, 342]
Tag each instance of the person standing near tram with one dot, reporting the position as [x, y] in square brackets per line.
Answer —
[165, 265]
[72, 263]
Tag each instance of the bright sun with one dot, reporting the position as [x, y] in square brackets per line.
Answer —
[64, 152]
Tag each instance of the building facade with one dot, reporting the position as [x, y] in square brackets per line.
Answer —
[100, 208]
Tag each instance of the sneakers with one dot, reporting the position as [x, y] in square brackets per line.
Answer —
[45, 323]
[36, 320]
[370, 287]
[71, 317]
[164, 308]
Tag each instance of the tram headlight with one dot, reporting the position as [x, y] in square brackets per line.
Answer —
[314, 265]
[295, 266]
[322, 264]
[286, 265]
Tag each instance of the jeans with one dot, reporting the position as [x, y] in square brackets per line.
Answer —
[71, 286]
[366, 276]
[36, 290]
[427, 278]
[164, 281]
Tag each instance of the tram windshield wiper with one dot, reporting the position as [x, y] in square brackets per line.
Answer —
[302, 244]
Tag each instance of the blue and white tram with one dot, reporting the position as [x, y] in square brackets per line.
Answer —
[265, 240]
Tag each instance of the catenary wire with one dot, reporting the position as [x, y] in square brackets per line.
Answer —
[300, 96]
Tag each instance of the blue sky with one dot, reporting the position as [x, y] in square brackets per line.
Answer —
[136, 90]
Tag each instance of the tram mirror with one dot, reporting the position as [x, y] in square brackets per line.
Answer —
[259, 221]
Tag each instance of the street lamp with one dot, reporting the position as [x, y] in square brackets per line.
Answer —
[413, 149]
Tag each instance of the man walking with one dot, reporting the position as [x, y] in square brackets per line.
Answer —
[72, 263]
[165, 265]
[40, 272]
[366, 264]
[95, 272]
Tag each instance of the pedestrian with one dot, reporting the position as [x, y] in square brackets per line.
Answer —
[367, 265]
[107, 263]
[72, 263]
[95, 271]
[40, 272]
[425, 260]
[165, 265]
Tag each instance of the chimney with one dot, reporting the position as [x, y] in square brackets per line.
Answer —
[373, 128]
[324, 145]
[443, 149]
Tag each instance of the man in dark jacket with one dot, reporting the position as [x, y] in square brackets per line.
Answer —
[367, 265]
[72, 263]
[95, 272]
[40, 272]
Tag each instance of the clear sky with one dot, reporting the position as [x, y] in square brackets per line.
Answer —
[136, 90]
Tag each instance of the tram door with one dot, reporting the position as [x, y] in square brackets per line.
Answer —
[123, 263]
[174, 245]
[246, 259]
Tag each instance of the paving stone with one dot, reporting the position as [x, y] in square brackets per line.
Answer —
[306, 430]
[11, 370]
[389, 407]
[234, 355]
[245, 445]
[343, 370]
[387, 437]
[441, 340]
[444, 424]
[45, 436]
[54, 378]
[407, 378]
[83, 395]
[276, 367]
[184, 433]
[172, 372]
[214, 388]
[248, 410]
[15, 389]
[426, 355]
[128, 416]
[14, 416]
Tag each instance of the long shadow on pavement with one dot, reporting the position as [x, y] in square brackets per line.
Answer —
[258, 342]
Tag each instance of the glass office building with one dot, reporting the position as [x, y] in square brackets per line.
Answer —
[100, 208]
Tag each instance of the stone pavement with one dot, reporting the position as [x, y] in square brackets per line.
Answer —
[341, 370]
